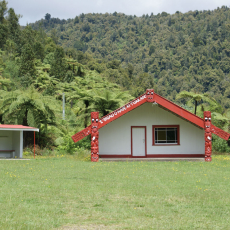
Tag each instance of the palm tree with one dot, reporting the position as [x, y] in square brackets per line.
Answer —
[106, 101]
[85, 97]
[27, 107]
[196, 98]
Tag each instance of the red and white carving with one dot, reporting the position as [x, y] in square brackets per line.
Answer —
[208, 135]
[149, 95]
[83, 133]
[94, 136]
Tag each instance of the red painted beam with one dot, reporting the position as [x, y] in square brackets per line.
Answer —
[179, 110]
[83, 133]
[122, 110]
[219, 132]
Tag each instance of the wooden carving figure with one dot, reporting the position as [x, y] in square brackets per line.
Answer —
[149, 95]
[208, 135]
[94, 136]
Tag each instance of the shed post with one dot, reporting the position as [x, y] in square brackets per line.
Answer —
[208, 136]
[21, 145]
[94, 136]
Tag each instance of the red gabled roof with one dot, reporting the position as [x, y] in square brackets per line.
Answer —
[17, 127]
[183, 113]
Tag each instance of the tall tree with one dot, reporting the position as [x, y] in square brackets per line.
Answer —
[54, 36]
[3, 23]
[58, 67]
[47, 17]
[196, 98]
[106, 101]
[27, 70]
[13, 25]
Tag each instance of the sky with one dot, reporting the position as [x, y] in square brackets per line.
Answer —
[34, 10]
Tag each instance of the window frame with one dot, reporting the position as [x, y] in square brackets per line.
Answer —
[165, 126]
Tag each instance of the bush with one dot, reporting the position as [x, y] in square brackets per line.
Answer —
[220, 145]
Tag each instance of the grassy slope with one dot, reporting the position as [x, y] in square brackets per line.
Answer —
[52, 192]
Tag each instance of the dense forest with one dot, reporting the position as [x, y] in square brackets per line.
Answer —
[171, 53]
[101, 61]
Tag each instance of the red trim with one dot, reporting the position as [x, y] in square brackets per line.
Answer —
[179, 110]
[166, 126]
[132, 141]
[122, 110]
[156, 156]
[219, 132]
[15, 127]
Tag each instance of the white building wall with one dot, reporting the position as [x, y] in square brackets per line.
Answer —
[115, 138]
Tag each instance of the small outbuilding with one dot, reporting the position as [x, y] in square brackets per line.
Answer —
[11, 140]
[151, 127]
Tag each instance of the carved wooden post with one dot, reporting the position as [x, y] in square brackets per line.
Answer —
[208, 135]
[149, 95]
[94, 136]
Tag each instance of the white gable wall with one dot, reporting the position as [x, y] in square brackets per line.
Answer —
[115, 138]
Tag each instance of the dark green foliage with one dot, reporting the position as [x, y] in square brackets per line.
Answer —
[13, 25]
[219, 145]
[27, 71]
[58, 66]
[54, 36]
[3, 34]
[47, 17]
[113, 64]
[151, 50]
[76, 20]
[39, 51]
[80, 45]
[3, 23]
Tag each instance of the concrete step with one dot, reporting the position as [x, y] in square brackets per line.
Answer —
[151, 159]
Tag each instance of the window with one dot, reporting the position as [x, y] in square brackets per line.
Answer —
[166, 135]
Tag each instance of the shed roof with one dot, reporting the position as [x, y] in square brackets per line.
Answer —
[18, 128]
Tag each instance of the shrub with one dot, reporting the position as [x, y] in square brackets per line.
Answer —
[219, 145]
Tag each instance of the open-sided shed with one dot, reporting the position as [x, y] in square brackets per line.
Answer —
[151, 126]
[11, 140]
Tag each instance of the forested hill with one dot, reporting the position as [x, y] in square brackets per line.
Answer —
[171, 53]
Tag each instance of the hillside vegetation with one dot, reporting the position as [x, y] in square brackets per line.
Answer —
[171, 53]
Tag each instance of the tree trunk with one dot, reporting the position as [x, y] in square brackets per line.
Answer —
[195, 106]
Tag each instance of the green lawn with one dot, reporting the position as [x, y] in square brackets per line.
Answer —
[53, 192]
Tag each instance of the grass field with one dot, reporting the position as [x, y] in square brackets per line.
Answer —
[63, 192]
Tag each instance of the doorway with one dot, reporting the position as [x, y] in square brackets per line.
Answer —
[138, 141]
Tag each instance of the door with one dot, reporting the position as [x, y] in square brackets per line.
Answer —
[138, 141]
